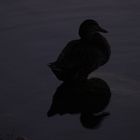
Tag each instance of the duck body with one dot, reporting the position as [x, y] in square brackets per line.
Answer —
[80, 57]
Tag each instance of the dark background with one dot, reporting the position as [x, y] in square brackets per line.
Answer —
[32, 34]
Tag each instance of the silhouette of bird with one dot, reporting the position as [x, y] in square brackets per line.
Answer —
[89, 99]
[91, 96]
[80, 57]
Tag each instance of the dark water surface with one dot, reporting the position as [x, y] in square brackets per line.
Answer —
[32, 34]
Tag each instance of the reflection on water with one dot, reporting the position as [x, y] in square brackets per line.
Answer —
[88, 98]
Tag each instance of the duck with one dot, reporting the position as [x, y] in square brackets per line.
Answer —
[82, 56]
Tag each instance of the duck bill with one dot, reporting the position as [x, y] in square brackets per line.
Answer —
[102, 30]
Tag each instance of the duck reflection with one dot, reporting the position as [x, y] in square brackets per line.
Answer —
[88, 98]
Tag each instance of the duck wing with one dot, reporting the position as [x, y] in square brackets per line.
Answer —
[66, 62]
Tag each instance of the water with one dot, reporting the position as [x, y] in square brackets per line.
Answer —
[32, 34]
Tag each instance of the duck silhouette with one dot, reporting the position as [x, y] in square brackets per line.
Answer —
[89, 99]
[81, 57]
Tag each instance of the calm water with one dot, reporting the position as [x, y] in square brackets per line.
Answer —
[32, 34]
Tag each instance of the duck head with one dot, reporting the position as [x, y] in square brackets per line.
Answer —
[89, 27]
